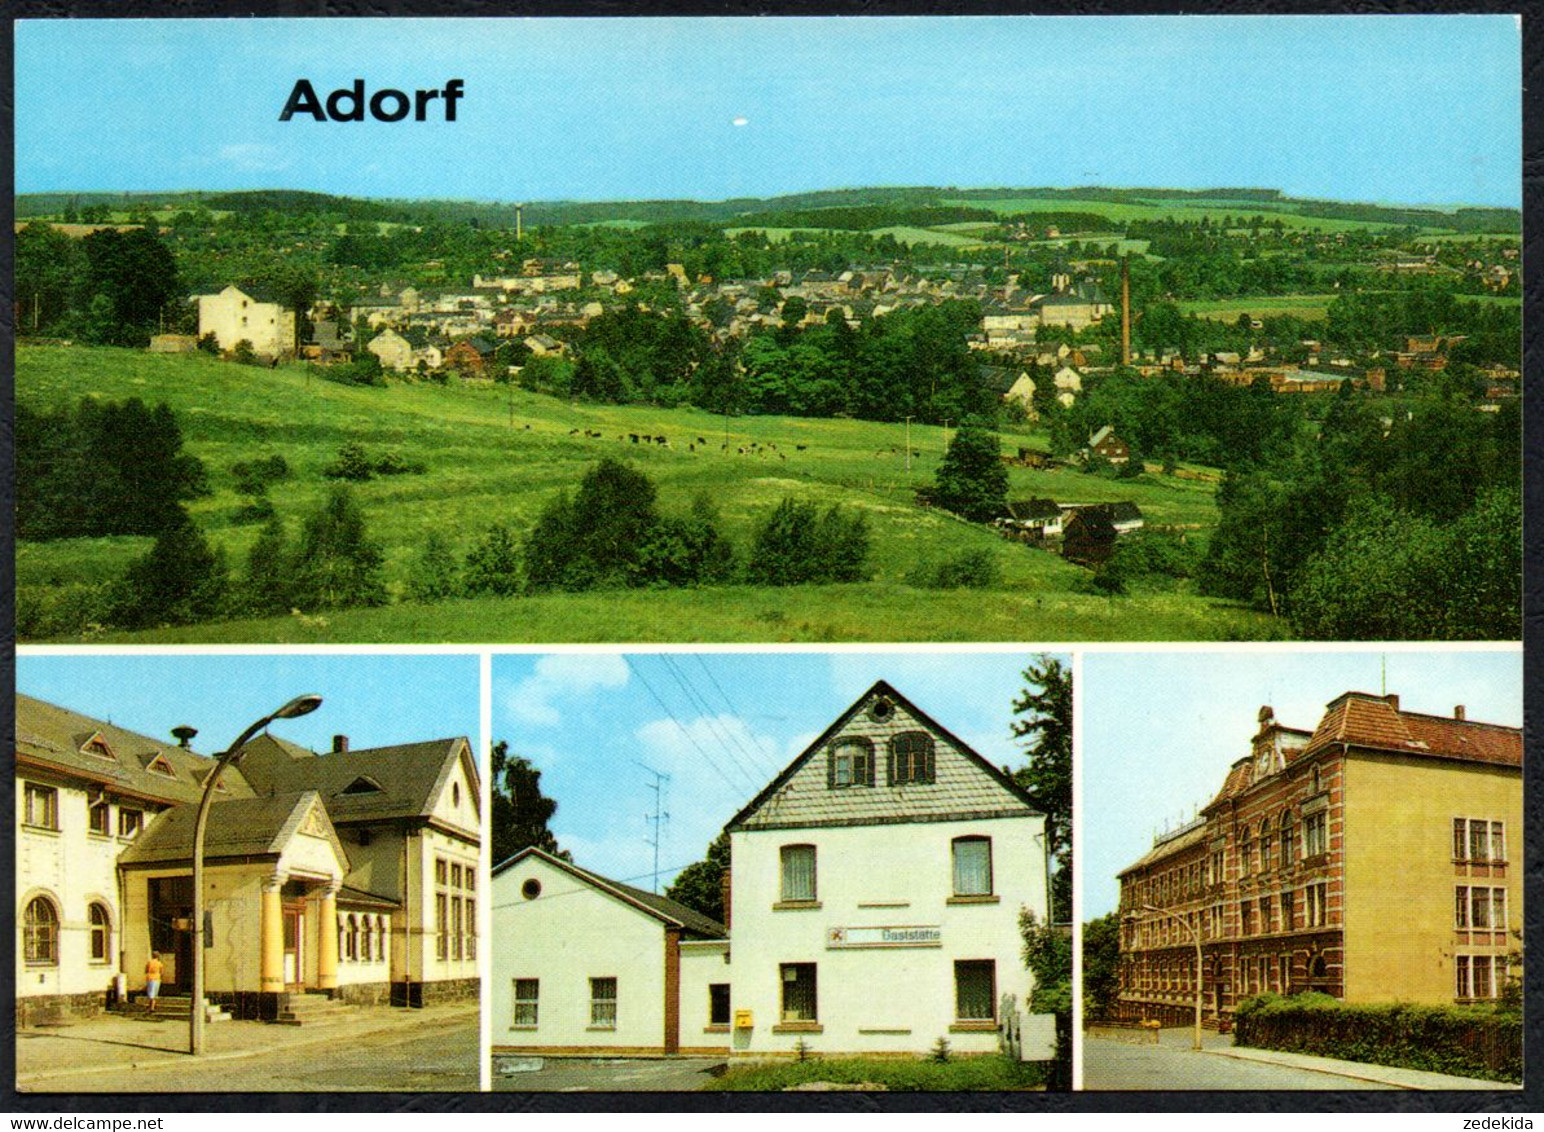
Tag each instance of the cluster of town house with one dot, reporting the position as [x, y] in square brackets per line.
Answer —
[349, 874]
[542, 306]
[871, 906]
[1374, 858]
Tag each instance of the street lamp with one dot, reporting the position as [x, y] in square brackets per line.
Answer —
[300, 705]
[1195, 938]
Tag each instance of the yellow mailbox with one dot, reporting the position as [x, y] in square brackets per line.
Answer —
[742, 1019]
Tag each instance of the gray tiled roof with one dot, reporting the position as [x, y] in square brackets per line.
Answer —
[54, 735]
[243, 827]
[409, 775]
[964, 783]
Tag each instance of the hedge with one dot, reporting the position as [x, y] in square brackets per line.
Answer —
[1465, 1041]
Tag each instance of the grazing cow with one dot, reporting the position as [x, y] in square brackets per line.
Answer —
[573, 432]
[691, 448]
[633, 436]
[800, 447]
[660, 440]
[741, 451]
[527, 428]
[701, 441]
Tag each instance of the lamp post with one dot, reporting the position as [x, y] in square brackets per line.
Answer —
[1195, 938]
[300, 705]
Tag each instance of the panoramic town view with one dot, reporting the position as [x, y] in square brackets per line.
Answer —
[569, 554]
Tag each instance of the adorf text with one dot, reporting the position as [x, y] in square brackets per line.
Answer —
[349, 104]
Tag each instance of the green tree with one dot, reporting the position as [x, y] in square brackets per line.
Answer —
[435, 574]
[520, 811]
[798, 544]
[493, 565]
[700, 885]
[1101, 966]
[181, 580]
[1045, 731]
[595, 539]
[972, 481]
[268, 584]
[337, 565]
[1048, 956]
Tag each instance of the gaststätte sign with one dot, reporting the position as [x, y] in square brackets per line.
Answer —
[898, 936]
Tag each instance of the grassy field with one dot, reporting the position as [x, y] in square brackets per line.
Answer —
[1260, 306]
[1123, 211]
[963, 1074]
[483, 469]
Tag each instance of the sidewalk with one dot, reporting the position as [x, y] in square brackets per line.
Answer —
[132, 1042]
[1360, 1071]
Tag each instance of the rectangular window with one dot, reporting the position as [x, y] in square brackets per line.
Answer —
[456, 937]
[799, 1003]
[972, 866]
[455, 876]
[98, 817]
[718, 1004]
[1317, 904]
[1266, 924]
[527, 992]
[1461, 906]
[1479, 841]
[798, 873]
[1479, 908]
[1484, 987]
[441, 940]
[471, 928]
[441, 870]
[130, 822]
[42, 807]
[1498, 841]
[975, 990]
[1460, 846]
[603, 1003]
[1288, 911]
[1463, 983]
[1286, 973]
[1498, 909]
[1315, 838]
[1245, 927]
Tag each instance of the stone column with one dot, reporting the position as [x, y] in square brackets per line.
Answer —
[271, 937]
[327, 939]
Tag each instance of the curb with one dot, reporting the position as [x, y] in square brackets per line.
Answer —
[165, 1058]
[1313, 1069]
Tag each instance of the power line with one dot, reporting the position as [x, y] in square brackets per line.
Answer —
[770, 766]
[725, 738]
[522, 902]
[692, 739]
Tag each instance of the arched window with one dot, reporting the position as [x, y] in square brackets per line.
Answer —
[1245, 852]
[101, 933]
[1266, 860]
[353, 937]
[911, 758]
[972, 866]
[366, 949]
[40, 932]
[380, 939]
[1315, 781]
[850, 762]
[1288, 850]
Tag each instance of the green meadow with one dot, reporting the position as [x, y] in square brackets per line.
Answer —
[496, 456]
[1313, 307]
[1125, 211]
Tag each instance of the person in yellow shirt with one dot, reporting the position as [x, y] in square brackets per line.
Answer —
[153, 970]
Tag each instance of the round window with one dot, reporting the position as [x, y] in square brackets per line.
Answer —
[531, 889]
[881, 710]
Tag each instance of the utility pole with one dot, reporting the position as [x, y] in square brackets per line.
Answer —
[658, 818]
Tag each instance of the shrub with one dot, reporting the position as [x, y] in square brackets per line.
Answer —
[1469, 1041]
[352, 463]
[180, 580]
[337, 565]
[76, 609]
[797, 544]
[688, 552]
[493, 565]
[969, 569]
[267, 585]
[393, 463]
[1153, 553]
[596, 538]
[435, 574]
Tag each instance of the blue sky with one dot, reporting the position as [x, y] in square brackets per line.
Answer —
[1403, 109]
[722, 727]
[374, 700]
[1159, 731]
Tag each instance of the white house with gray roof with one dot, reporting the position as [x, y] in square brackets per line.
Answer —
[876, 890]
[349, 874]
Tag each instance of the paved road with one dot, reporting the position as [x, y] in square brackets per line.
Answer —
[439, 1060]
[1114, 1064]
[570, 1075]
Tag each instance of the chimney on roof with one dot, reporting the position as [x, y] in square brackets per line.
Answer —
[340, 744]
[724, 887]
[1392, 700]
[1459, 713]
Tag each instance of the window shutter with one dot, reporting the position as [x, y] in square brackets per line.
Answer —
[868, 764]
[927, 764]
[831, 768]
[889, 764]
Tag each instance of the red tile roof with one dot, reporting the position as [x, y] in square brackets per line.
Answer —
[1363, 720]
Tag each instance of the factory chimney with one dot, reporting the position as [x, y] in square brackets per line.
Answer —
[1125, 310]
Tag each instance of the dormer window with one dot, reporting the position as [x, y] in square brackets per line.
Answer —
[851, 763]
[97, 745]
[364, 784]
[911, 759]
[881, 710]
[159, 765]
